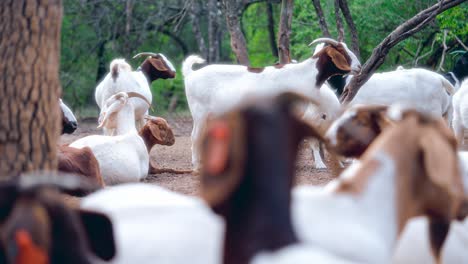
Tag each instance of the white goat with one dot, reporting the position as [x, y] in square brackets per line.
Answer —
[359, 216]
[154, 225]
[321, 117]
[124, 157]
[218, 88]
[121, 78]
[460, 111]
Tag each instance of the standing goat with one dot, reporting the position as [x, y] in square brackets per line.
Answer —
[121, 78]
[218, 88]
[123, 157]
[460, 112]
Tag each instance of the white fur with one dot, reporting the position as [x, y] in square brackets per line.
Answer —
[127, 81]
[217, 88]
[347, 226]
[154, 225]
[123, 157]
[424, 90]
[460, 111]
[67, 112]
[414, 247]
[329, 108]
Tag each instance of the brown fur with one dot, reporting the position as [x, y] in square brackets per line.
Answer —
[155, 68]
[80, 161]
[356, 134]
[332, 60]
[255, 70]
[156, 131]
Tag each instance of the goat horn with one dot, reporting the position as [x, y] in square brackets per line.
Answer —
[138, 95]
[145, 54]
[326, 40]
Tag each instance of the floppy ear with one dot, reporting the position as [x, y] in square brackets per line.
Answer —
[156, 132]
[223, 158]
[338, 59]
[100, 234]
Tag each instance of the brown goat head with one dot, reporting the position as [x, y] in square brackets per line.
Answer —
[157, 131]
[352, 133]
[332, 60]
[36, 225]
[157, 66]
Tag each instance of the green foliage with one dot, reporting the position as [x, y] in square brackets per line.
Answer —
[93, 33]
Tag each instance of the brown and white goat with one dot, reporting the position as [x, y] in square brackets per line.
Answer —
[410, 170]
[37, 227]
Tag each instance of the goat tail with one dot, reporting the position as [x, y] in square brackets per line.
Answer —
[188, 63]
[448, 86]
[117, 66]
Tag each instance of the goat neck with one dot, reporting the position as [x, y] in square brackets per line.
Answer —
[125, 120]
[395, 176]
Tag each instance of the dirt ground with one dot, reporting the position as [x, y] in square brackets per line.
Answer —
[178, 156]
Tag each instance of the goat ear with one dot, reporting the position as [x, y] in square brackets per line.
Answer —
[100, 234]
[223, 159]
[156, 132]
[338, 59]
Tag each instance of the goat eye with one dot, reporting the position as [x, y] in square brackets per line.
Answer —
[324, 116]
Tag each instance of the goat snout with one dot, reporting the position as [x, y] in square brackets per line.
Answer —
[69, 127]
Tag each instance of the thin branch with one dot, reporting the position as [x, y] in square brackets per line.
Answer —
[444, 51]
[321, 17]
[459, 41]
[339, 21]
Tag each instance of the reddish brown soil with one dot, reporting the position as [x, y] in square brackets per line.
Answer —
[178, 156]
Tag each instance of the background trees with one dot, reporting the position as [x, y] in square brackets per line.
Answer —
[95, 31]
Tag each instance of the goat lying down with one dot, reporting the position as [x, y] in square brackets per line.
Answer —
[410, 170]
[37, 227]
[217, 88]
[351, 135]
[69, 122]
[121, 78]
[123, 157]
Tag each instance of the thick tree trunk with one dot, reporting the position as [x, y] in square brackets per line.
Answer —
[402, 32]
[284, 31]
[213, 31]
[29, 85]
[233, 10]
[321, 17]
[352, 27]
[271, 29]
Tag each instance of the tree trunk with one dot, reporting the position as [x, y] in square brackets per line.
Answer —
[196, 28]
[321, 17]
[339, 21]
[213, 29]
[352, 27]
[29, 85]
[284, 31]
[271, 30]
[402, 32]
[233, 9]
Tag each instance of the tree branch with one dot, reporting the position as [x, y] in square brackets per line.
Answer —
[321, 17]
[402, 32]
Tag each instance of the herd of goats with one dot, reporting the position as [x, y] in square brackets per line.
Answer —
[402, 198]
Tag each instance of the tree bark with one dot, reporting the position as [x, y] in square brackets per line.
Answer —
[284, 31]
[196, 28]
[271, 30]
[322, 22]
[352, 27]
[213, 31]
[402, 32]
[233, 10]
[339, 21]
[29, 85]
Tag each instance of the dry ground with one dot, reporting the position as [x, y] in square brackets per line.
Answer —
[178, 156]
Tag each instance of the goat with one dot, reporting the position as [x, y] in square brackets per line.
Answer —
[247, 180]
[123, 157]
[80, 161]
[154, 225]
[460, 111]
[37, 227]
[121, 78]
[410, 170]
[69, 122]
[459, 71]
[218, 88]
